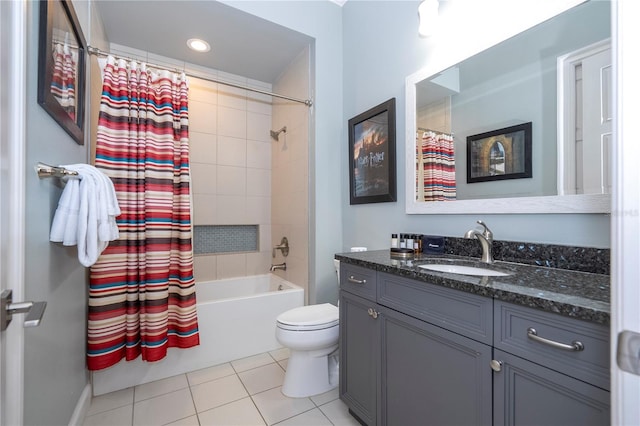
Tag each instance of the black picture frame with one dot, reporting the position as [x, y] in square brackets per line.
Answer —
[60, 29]
[500, 154]
[372, 155]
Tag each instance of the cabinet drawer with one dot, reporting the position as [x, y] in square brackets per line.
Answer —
[358, 280]
[467, 314]
[590, 364]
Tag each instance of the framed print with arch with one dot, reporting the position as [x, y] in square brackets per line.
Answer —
[500, 154]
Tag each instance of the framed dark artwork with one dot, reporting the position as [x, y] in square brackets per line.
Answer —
[500, 154]
[61, 66]
[372, 155]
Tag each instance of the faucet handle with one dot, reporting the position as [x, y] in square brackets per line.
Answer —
[487, 232]
[283, 247]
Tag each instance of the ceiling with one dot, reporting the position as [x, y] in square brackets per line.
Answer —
[241, 43]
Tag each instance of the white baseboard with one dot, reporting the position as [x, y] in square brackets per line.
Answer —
[77, 419]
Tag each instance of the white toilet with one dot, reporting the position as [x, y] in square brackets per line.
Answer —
[311, 334]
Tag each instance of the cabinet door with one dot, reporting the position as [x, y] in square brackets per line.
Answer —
[529, 394]
[359, 356]
[431, 376]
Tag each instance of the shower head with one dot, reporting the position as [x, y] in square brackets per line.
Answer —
[274, 134]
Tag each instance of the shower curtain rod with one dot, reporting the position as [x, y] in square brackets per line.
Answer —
[95, 51]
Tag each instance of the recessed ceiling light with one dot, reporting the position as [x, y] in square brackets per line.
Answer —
[198, 45]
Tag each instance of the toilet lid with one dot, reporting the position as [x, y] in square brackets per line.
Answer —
[325, 315]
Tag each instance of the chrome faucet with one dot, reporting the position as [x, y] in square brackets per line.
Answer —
[282, 266]
[486, 241]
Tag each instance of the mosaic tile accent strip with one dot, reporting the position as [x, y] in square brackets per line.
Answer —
[212, 239]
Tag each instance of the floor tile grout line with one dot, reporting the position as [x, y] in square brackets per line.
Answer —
[325, 415]
[226, 403]
[210, 380]
[258, 409]
[133, 407]
[160, 394]
[193, 401]
[295, 415]
[110, 409]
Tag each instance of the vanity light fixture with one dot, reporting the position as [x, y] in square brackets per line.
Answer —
[428, 17]
[198, 45]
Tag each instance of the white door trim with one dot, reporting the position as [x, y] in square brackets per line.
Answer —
[13, 134]
[625, 211]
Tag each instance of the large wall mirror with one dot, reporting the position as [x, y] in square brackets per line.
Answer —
[555, 76]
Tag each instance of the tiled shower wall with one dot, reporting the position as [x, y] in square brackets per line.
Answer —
[231, 170]
[290, 180]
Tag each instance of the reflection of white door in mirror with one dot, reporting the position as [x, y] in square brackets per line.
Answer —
[477, 96]
[584, 120]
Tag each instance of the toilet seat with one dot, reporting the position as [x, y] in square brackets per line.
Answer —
[308, 318]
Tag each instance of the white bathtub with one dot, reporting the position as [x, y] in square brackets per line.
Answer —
[236, 318]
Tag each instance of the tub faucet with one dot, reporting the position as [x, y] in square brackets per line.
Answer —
[486, 241]
[282, 266]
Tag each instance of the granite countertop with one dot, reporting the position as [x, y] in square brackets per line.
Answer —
[580, 295]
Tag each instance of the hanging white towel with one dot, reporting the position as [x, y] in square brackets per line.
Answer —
[86, 213]
[64, 228]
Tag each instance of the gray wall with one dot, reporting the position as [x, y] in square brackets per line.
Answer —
[381, 48]
[55, 373]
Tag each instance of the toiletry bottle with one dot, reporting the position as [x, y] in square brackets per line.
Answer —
[409, 241]
[394, 240]
[416, 244]
[403, 242]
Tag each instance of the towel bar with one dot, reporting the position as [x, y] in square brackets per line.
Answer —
[45, 170]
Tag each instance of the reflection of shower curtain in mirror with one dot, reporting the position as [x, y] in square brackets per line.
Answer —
[63, 80]
[436, 167]
[142, 292]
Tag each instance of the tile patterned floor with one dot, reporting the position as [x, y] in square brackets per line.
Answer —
[245, 392]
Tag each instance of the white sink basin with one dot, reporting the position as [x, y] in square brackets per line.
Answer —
[464, 270]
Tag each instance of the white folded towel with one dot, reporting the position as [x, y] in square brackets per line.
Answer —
[86, 213]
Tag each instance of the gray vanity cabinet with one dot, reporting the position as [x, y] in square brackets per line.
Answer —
[525, 393]
[560, 376]
[397, 369]
[359, 342]
[431, 376]
[359, 356]
[414, 353]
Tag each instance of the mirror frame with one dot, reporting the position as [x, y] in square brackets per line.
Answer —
[575, 203]
[75, 128]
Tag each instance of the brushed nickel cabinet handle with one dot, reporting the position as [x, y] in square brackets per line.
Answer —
[575, 346]
[355, 281]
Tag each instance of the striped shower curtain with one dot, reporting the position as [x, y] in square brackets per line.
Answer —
[436, 167]
[142, 296]
[63, 80]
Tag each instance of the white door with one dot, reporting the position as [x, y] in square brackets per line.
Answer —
[585, 112]
[625, 217]
[12, 139]
[595, 155]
